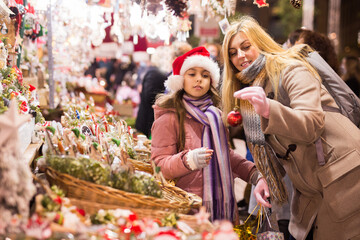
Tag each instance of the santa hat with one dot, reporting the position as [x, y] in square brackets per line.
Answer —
[197, 57]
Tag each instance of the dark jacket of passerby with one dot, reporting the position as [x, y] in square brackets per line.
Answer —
[153, 84]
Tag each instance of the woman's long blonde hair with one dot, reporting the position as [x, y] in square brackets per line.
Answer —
[174, 100]
[277, 59]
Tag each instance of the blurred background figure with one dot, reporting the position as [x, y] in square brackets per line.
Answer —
[292, 38]
[351, 74]
[153, 82]
[319, 42]
[116, 72]
[127, 92]
[215, 51]
[178, 49]
[91, 70]
[142, 62]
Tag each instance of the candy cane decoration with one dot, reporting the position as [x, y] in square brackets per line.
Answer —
[97, 132]
[47, 124]
[105, 123]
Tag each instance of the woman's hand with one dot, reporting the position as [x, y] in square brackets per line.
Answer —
[256, 96]
[261, 193]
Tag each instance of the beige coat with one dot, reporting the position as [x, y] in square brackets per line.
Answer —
[326, 197]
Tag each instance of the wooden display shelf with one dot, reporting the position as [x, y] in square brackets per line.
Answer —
[31, 153]
[32, 80]
[124, 109]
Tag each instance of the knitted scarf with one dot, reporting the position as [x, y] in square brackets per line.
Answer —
[218, 196]
[263, 154]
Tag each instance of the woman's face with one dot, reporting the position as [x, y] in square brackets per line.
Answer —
[241, 52]
[197, 82]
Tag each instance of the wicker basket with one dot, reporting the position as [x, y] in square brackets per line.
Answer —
[174, 198]
[143, 154]
[92, 208]
[141, 166]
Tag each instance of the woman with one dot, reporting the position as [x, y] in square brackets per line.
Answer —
[189, 138]
[319, 150]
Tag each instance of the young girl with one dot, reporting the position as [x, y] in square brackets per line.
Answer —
[189, 139]
[290, 118]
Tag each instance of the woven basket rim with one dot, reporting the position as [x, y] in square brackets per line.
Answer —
[92, 208]
[190, 200]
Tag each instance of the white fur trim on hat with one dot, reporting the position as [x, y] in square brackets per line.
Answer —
[204, 62]
[174, 83]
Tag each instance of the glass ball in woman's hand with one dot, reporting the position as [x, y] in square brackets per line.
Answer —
[234, 118]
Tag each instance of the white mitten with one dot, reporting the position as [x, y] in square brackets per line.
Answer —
[198, 158]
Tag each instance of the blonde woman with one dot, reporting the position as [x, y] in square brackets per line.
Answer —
[289, 126]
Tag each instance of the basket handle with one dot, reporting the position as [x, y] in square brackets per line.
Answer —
[159, 175]
[43, 185]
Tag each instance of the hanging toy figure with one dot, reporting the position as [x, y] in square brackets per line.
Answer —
[30, 26]
[261, 3]
[296, 3]
[3, 55]
[234, 117]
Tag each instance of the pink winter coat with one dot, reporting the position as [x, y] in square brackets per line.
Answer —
[164, 152]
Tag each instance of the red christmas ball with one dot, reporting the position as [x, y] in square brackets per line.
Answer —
[234, 118]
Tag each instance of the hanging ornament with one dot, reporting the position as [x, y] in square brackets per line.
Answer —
[29, 24]
[215, 5]
[4, 10]
[261, 3]
[234, 118]
[4, 29]
[230, 6]
[178, 7]
[184, 26]
[296, 3]
[15, 11]
[154, 6]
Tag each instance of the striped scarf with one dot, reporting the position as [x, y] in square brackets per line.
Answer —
[218, 196]
[263, 154]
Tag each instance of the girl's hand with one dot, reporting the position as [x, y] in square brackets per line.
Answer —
[256, 96]
[199, 158]
[261, 193]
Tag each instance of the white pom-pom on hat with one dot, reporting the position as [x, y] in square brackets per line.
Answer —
[174, 83]
[197, 57]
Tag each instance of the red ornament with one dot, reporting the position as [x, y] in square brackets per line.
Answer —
[58, 200]
[234, 118]
[81, 211]
[31, 88]
[136, 229]
[132, 217]
[19, 74]
[261, 3]
[23, 106]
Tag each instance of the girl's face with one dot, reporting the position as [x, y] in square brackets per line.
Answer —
[197, 82]
[241, 52]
